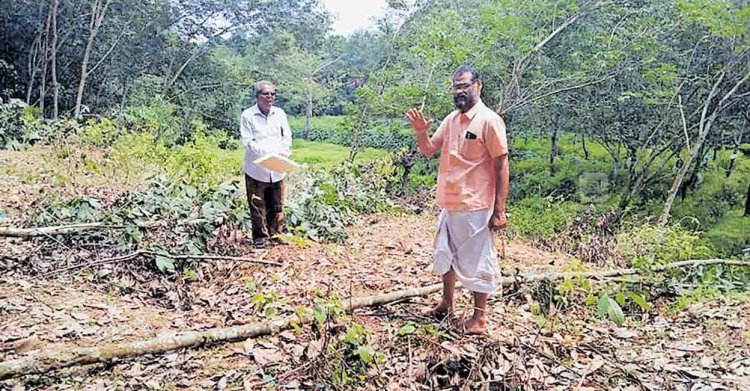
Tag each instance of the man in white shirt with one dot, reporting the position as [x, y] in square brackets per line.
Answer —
[264, 129]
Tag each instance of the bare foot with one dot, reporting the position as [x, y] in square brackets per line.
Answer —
[474, 326]
[440, 312]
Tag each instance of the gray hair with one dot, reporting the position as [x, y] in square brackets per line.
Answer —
[259, 85]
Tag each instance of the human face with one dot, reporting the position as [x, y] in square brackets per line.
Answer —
[266, 96]
[465, 91]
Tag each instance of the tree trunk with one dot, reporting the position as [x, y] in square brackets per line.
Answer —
[692, 181]
[49, 359]
[45, 60]
[732, 159]
[168, 85]
[628, 192]
[680, 178]
[33, 66]
[585, 150]
[705, 127]
[55, 84]
[552, 150]
[747, 202]
[355, 147]
[97, 16]
[308, 112]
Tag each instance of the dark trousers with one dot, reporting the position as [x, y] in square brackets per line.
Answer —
[266, 201]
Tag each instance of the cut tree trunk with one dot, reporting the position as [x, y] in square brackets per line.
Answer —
[51, 359]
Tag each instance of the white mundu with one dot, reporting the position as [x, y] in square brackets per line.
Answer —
[464, 241]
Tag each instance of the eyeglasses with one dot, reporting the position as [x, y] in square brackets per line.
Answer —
[266, 93]
[462, 86]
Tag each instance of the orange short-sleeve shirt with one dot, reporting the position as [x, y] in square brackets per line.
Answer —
[468, 143]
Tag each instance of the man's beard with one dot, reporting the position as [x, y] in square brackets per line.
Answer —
[463, 101]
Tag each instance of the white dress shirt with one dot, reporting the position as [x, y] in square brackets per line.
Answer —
[262, 135]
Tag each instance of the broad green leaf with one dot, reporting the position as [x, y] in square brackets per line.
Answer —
[270, 311]
[614, 312]
[602, 305]
[164, 264]
[407, 329]
[365, 353]
[640, 300]
[319, 314]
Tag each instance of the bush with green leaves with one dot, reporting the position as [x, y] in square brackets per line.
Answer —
[12, 129]
[20, 126]
[383, 134]
[166, 217]
[321, 203]
[157, 117]
[731, 235]
[648, 245]
[540, 216]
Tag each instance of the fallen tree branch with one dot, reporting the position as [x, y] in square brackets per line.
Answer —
[77, 228]
[54, 230]
[49, 359]
[167, 255]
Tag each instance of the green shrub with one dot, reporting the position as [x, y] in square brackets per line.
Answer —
[383, 134]
[137, 154]
[201, 160]
[540, 216]
[12, 130]
[593, 187]
[101, 133]
[320, 204]
[716, 194]
[650, 245]
[157, 117]
[731, 235]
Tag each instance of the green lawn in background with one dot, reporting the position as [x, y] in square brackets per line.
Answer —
[325, 155]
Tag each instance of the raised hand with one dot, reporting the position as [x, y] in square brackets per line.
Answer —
[419, 123]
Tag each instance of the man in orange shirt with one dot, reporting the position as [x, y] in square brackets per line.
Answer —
[472, 188]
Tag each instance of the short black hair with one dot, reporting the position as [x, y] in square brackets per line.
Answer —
[463, 68]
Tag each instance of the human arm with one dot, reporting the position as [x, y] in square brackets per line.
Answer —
[286, 138]
[502, 175]
[497, 145]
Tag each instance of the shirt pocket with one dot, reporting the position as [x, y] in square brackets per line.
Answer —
[472, 149]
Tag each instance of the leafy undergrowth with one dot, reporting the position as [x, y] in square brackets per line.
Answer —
[540, 336]
[682, 330]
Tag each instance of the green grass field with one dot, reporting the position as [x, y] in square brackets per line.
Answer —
[325, 155]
